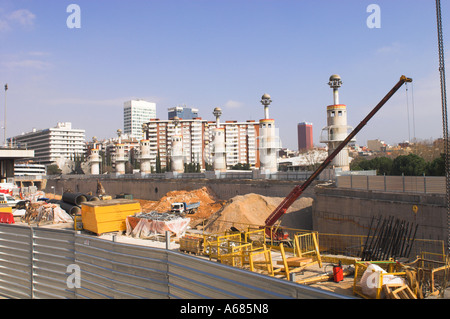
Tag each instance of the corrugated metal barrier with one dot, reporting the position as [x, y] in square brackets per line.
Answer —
[38, 262]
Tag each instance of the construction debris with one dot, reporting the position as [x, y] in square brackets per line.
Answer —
[148, 225]
[40, 213]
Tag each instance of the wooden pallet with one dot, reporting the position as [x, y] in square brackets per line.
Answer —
[398, 291]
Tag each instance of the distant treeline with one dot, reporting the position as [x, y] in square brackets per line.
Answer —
[408, 165]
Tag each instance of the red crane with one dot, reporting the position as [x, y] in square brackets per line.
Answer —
[298, 190]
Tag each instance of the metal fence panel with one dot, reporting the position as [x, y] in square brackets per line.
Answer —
[15, 261]
[191, 277]
[53, 252]
[408, 184]
[115, 270]
[34, 261]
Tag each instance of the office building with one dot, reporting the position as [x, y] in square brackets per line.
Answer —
[54, 143]
[136, 113]
[305, 136]
[183, 113]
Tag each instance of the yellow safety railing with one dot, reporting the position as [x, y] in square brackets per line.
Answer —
[216, 245]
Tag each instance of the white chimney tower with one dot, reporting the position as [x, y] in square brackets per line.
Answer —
[337, 129]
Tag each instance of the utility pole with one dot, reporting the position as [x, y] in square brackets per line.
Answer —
[4, 126]
[444, 113]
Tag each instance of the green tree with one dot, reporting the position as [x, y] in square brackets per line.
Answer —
[383, 165]
[53, 170]
[436, 167]
[409, 165]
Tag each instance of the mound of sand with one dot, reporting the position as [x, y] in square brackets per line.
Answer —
[209, 204]
[253, 209]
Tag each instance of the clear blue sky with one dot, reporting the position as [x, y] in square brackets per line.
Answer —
[227, 53]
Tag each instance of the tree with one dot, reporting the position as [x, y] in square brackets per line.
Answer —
[383, 165]
[53, 170]
[409, 165]
[436, 167]
[158, 163]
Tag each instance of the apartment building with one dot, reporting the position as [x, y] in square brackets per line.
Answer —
[241, 141]
[52, 144]
[136, 113]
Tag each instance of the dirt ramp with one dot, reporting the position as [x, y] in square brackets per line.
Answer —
[253, 209]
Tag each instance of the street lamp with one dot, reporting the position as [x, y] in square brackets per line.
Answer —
[4, 127]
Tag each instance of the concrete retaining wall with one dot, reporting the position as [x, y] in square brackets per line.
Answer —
[347, 211]
[154, 189]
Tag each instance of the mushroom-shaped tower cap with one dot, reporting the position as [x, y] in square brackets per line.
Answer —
[265, 97]
[335, 77]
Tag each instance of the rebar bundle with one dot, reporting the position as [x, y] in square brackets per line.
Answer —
[391, 238]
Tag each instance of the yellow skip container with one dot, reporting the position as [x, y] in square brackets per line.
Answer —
[107, 215]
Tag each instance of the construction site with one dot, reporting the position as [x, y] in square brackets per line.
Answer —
[317, 239]
[387, 260]
[180, 235]
[341, 242]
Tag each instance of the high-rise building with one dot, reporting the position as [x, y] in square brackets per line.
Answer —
[241, 141]
[183, 113]
[54, 143]
[305, 136]
[136, 113]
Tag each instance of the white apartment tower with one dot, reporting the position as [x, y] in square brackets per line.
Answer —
[136, 113]
[54, 143]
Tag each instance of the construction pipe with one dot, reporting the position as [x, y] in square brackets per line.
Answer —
[74, 198]
[91, 198]
[69, 208]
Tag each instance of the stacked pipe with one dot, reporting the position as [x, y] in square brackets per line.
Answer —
[391, 238]
[71, 202]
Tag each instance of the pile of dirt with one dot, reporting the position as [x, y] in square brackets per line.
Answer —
[253, 209]
[243, 210]
[209, 203]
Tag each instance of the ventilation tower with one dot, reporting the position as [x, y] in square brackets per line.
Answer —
[337, 129]
[177, 148]
[268, 141]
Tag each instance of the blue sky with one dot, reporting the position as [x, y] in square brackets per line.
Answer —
[227, 53]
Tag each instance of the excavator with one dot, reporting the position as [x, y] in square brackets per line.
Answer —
[277, 234]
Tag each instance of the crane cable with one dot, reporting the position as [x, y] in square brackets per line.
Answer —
[413, 114]
[444, 113]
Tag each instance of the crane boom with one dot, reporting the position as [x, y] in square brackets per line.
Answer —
[298, 190]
